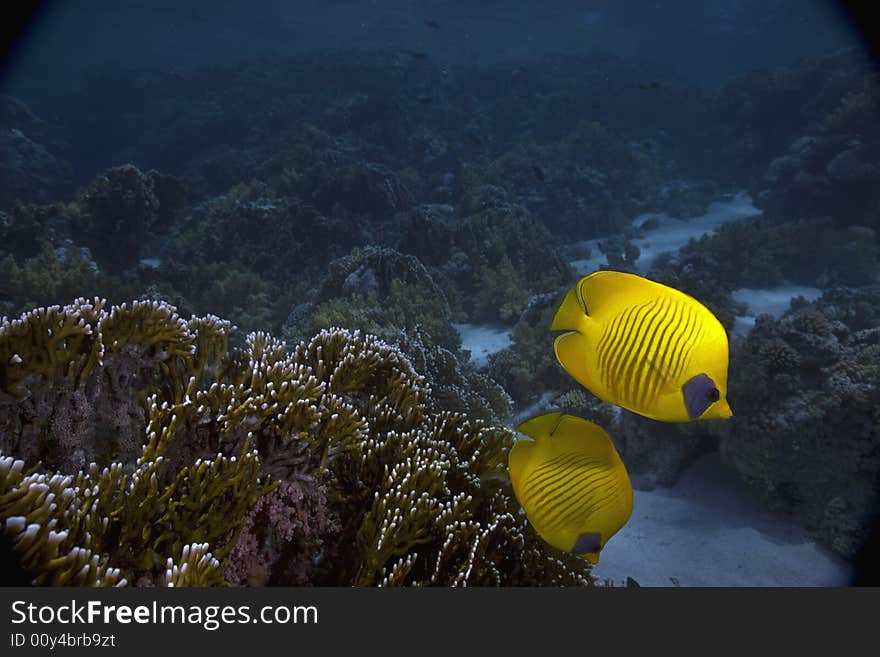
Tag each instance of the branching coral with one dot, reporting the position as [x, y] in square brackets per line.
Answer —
[455, 386]
[370, 486]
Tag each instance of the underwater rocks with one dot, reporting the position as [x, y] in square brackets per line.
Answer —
[587, 183]
[24, 228]
[806, 430]
[30, 172]
[121, 210]
[823, 176]
[656, 453]
[500, 258]
[276, 237]
[381, 291]
[803, 140]
[341, 184]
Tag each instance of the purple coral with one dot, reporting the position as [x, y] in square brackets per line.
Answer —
[282, 538]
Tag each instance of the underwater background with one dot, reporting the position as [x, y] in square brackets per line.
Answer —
[277, 280]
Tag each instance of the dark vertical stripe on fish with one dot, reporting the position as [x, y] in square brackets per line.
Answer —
[680, 341]
[622, 348]
[552, 477]
[611, 495]
[687, 345]
[555, 514]
[625, 370]
[660, 366]
[555, 478]
[633, 376]
[608, 334]
[646, 376]
[665, 360]
[610, 351]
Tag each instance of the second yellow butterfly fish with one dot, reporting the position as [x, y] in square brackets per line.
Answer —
[571, 483]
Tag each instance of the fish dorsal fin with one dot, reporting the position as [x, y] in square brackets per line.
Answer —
[537, 428]
[540, 425]
[574, 434]
[606, 291]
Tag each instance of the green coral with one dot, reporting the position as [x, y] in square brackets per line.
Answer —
[380, 291]
[406, 306]
[240, 295]
[502, 292]
[106, 527]
[778, 356]
[52, 277]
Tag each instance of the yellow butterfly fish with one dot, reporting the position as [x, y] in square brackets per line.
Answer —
[571, 483]
[644, 346]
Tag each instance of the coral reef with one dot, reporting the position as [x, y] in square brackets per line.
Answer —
[74, 380]
[53, 276]
[455, 386]
[121, 210]
[528, 367]
[380, 291]
[805, 429]
[324, 464]
[31, 167]
[250, 224]
[387, 192]
[587, 183]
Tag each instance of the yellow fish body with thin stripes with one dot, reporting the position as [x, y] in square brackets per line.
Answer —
[644, 346]
[571, 483]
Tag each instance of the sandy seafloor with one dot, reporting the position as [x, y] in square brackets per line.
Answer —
[709, 529]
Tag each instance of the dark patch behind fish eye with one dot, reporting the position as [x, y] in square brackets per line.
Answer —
[588, 543]
[698, 395]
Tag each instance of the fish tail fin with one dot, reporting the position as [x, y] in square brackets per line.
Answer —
[573, 433]
[571, 315]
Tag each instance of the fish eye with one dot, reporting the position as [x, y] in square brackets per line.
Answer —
[713, 395]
